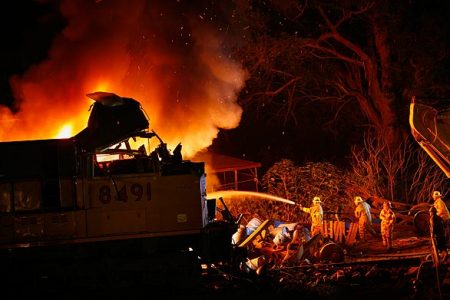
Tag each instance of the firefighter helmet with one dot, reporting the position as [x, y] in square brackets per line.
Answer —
[388, 203]
[316, 200]
[358, 200]
[436, 194]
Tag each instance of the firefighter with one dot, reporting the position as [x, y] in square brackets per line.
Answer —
[387, 217]
[441, 210]
[437, 232]
[362, 212]
[316, 213]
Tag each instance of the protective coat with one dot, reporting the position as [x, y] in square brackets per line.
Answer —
[387, 217]
[442, 210]
[316, 213]
[362, 212]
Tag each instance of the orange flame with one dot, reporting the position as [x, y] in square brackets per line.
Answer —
[65, 132]
[160, 54]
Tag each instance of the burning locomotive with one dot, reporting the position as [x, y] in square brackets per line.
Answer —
[94, 194]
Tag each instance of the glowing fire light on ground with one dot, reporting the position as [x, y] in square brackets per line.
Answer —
[232, 194]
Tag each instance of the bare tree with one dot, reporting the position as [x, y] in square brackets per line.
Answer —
[427, 178]
[350, 54]
[381, 170]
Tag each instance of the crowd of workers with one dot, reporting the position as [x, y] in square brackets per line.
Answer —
[439, 221]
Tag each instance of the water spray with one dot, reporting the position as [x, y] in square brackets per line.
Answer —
[225, 194]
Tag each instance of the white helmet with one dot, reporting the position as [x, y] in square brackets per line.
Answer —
[358, 200]
[436, 194]
[316, 200]
[388, 203]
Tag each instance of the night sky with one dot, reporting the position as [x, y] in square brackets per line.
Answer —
[28, 29]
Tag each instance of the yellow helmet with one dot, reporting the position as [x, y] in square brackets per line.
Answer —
[358, 200]
[436, 194]
[316, 200]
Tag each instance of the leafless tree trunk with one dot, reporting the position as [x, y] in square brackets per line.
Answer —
[365, 77]
[348, 68]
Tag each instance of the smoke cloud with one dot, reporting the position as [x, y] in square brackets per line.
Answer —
[168, 55]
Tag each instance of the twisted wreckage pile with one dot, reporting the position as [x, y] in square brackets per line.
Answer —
[286, 252]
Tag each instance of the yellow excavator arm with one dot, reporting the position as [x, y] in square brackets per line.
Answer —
[430, 127]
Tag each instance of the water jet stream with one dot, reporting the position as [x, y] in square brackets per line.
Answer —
[224, 194]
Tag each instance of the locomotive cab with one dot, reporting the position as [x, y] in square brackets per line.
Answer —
[102, 186]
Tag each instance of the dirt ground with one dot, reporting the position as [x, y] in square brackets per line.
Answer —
[368, 271]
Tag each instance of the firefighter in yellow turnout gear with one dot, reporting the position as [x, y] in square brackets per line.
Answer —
[442, 211]
[387, 217]
[362, 212]
[316, 213]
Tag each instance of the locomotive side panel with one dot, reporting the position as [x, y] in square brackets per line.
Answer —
[148, 203]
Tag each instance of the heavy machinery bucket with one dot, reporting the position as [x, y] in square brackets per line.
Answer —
[430, 127]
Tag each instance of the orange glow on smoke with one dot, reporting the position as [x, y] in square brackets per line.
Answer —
[65, 132]
[173, 63]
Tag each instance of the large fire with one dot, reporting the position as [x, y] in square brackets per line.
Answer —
[162, 54]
